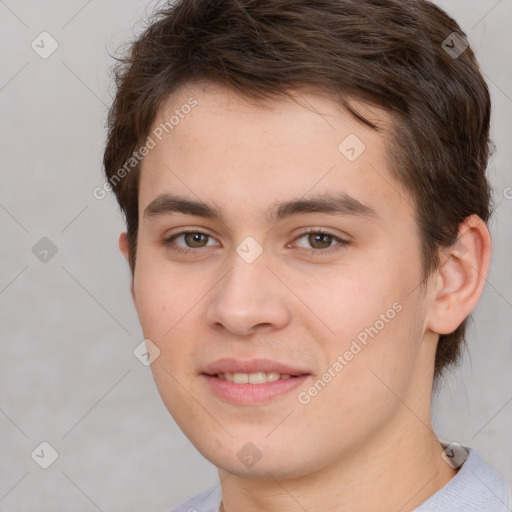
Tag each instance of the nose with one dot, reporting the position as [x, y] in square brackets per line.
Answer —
[249, 299]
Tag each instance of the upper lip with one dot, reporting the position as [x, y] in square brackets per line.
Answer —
[229, 365]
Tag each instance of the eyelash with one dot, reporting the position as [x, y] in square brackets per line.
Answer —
[169, 242]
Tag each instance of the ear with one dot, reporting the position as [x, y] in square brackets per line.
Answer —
[123, 247]
[461, 276]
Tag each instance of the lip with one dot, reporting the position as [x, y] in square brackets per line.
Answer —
[230, 365]
[251, 394]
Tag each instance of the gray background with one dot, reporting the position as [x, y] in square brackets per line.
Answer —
[68, 328]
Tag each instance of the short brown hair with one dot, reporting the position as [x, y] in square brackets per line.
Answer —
[390, 53]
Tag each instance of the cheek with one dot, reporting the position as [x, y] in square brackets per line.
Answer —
[163, 296]
[170, 306]
[366, 372]
[350, 300]
[167, 304]
[374, 322]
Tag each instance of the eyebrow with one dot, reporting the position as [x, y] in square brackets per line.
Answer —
[341, 204]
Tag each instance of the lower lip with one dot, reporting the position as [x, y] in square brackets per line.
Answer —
[246, 394]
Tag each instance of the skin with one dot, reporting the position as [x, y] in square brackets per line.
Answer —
[365, 442]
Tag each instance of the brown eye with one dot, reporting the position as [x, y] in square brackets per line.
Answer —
[186, 241]
[315, 241]
[320, 240]
[196, 239]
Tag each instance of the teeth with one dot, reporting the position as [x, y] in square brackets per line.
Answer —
[253, 378]
[257, 378]
[240, 378]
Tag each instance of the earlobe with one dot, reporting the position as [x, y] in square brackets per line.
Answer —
[123, 247]
[461, 276]
[123, 244]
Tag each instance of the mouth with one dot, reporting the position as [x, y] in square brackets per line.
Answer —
[254, 378]
[252, 382]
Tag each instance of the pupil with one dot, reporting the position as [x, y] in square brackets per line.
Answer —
[194, 239]
[320, 240]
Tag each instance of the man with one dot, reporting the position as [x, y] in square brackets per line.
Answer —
[306, 204]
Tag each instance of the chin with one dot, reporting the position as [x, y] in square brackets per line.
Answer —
[246, 460]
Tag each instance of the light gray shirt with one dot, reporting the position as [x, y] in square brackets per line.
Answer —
[476, 487]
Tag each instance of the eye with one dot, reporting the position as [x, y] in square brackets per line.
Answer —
[317, 240]
[189, 240]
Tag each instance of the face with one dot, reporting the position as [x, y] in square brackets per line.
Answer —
[273, 238]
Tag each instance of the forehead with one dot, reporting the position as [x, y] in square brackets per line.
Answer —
[234, 151]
